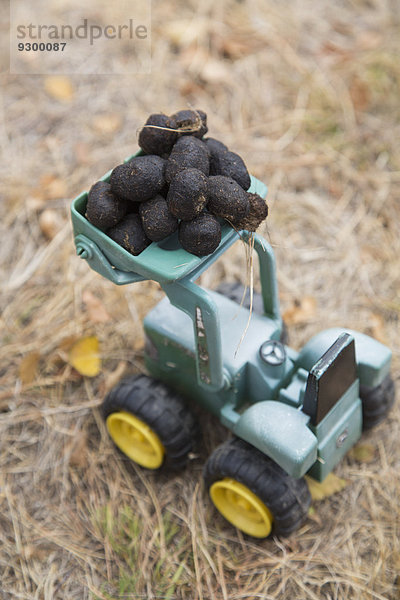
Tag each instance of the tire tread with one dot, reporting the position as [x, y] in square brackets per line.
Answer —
[166, 413]
[286, 497]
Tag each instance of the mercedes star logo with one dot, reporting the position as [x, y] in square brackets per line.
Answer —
[273, 352]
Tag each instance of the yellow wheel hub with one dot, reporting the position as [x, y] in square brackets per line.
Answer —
[136, 439]
[241, 507]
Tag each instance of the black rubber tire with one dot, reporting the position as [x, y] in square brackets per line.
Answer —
[377, 402]
[164, 411]
[234, 291]
[287, 498]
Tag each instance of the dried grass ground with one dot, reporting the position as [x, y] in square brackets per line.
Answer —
[308, 94]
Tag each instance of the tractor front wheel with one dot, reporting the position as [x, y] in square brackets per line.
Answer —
[253, 493]
[149, 424]
[377, 402]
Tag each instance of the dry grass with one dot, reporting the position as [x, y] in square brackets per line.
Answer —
[307, 92]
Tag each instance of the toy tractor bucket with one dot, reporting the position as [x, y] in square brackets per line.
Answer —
[165, 261]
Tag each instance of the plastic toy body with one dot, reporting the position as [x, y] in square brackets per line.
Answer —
[300, 412]
[259, 392]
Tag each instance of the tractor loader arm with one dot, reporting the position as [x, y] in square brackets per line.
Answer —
[195, 302]
[269, 284]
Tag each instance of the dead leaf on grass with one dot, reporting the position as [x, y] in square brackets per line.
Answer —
[364, 453]
[301, 311]
[59, 87]
[50, 187]
[55, 187]
[107, 123]
[35, 551]
[359, 94]
[84, 356]
[185, 31]
[50, 223]
[66, 344]
[189, 87]
[28, 367]
[331, 485]
[214, 71]
[96, 310]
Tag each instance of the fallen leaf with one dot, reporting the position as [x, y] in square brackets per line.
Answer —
[301, 311]
[28, 367]
[67, 343]
[50, 223]
[331, 485]
[59, 87]
[84, 356]
[107, 123]
[236, 45]
[335, 51]
[50, 187]
[214, 71]
[34, 203]
[95, 308]
[188, 87]
[359, 94]
[364, 453]
[35, 551]
[183, 32]
[57, 189]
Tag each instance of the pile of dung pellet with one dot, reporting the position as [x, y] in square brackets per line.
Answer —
[182, 181]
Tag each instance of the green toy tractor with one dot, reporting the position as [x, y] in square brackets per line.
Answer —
[290, 413]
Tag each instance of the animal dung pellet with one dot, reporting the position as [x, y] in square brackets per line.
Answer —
[129, 234]
[139, 179]
[157, 221]
[158, 135]
[232, 165]
[227, 199]
[257, 214]
[187, 195]
[216, 148]
[104, 209]
[201, 236]
[191, 122]
[188, 153]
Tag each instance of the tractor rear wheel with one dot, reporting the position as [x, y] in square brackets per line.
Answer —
[253, 493]
[234, 290]
[377, 402]
[149, 423]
